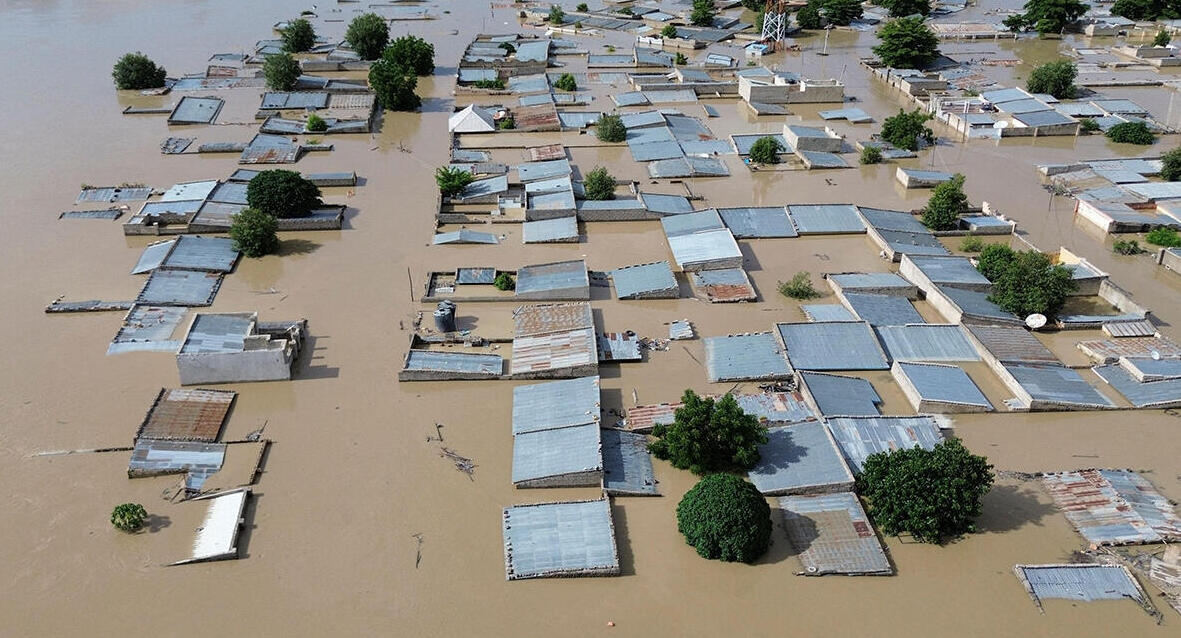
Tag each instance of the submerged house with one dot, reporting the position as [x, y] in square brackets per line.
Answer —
[235, 347]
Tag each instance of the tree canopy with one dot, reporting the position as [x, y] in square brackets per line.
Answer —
[1162, 39]
[907, 43]
[299, 36]
[1171, 165]
[1055, 78]
[137, 71]
[452, 180]
[610, 128]
[281, 71]
[934, 495]
[808, 17]
[1147, 10]
[282, 194]
[947, 203]
[556, 15]
[1047, 16]
[1025, 282]
[368, 34]
[903, 8]
[725, 518]
[128, 517]
[411, 53]
[599, 184]
[703, 13]
[839, 12]
[766, 150]
[905, 130]
[668, 32]
[394, 85]
[709, 436]
[566, 82]
[254, 233]
[1131, 133]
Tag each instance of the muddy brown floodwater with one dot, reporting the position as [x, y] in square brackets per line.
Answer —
[329, 547]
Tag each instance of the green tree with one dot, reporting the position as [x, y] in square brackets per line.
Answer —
[903, 8]
[1026, 282]
[581, 7]
[1131, 133]
[452, 180]
[394, 86]
[282, 72]
[368, 34]
[1055, 78]
[254, 233]
[316, 124]
[947, 203]
[709, 436]
[760, 20]
[753, 5]
[128, 517]
[566, 82]
[799, 286]
[1126, 247]
[282, 194]
[599, 184]
[668, 32]
[411, 53]
[994, 259]
[808, 17]
[1171, 165]
[1047, 16]
[680, 60]
[298, 36]
[1147, 10]
[841, 12]
[972, 244]
[137, 71]
[504, 281]
[610, 128]
[905, 130]
[871, 155]
[766, 150]
[506, 123]
[725, 518]
[907, 43]
[703, 13]
[1162, 39]
[556, 15]
[1088, 125]
[934, 495]
[1162, 236]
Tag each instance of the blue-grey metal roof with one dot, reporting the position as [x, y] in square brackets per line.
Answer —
[854, 115]
[627, 465]
[556, 539]
[949, 271]
[1114, 507]
[908, 243]
[854, 281]
[860, 436]
[554, 277]
[533, 51]
[148, 328]
[975, 222]
[465, 236]
[106, 213]
[775, 407]
[688, 223]
[832, 535]
[555, 404]
[275, 100]
[217, 333]
[471, 75]
[704, 248]
[537, 83]
[195, 110]
[1156, 190]
[547, 230]
[882, 310]
[618, 347]
[468, 155]
[745, 357]
[768, 221]
[166, 287]
[815, 219]
[210, 254]
[806, 131]
[476, 276]
[652, 57]
[943, 383]
[827, 312]
[1120, 107]
[706, 148]
[111, 194]
[551, 453]
[1043, 118]
[464, 362]
[552, 185]
[668, 204]
[927, 342]
[822, 159]
[1031, 105]
[974, 303]
[152, 256]
[644, 150]
[838, 345]
[1080, 582]
[687, 167]
[1078, 109]
[533, 171]
[1057, 384]
[536, 99]
[684, 127]
[632, 281]
[601, 60]
[1005, 95]
[642, 119]
[836, 395]
[927, 176]
[578, 119]
[1153, 369]
[1121, 177]
[742, 143]
[800, 458]
[629, 98]
[617, 204]
[197, 460]
[484, 188]
[1165, 393]
[265, 148]
[229, 193]
[1133, 164]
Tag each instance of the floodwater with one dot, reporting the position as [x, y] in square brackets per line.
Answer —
[329, 548]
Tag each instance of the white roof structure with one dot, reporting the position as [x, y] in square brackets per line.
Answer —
[217, 538]
[472, 119]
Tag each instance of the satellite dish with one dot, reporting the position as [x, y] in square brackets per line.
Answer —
[1000, 125]
[1035, 321]
[1155, 355]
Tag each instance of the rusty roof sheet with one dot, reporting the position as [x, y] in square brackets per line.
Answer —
[643, 418]
[187, 415]
[554, 351]
[832, 535]
[1109, 350]
[546, 153]
[1114, 507]
[723, 286]
[1011, 344]
[549, 318]
[543, 117]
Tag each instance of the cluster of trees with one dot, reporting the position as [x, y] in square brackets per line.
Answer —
[270, 196]
[907, 43]
[1147, 10]
[703, 13]
[1025, 282]
[905, 130]
[1046, 16]
[393, 74]
[904, 8]
[947, 203]
[1055, 78]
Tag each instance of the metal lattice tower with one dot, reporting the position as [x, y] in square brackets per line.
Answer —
[775, 20]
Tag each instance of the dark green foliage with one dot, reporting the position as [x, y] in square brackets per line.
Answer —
[316, 124]
[1162, 39]
[903, 8]
[506, 124]
[760, 19]
[137, 71]
[1162, 236]
[626, 11]
[972, 244]
[490, 84]
[254, 233]
[1088, 125]
[507, 46]
[1055, 78]
[1126, 247]
[1147, 10]
[799, 286]
[907, 43]
[282, 194]
[754, 5]
[840, 12]
[703, 13]
[668, 32]
[281, 71]
[709, 436]
[1047, 16]
[128, 517]
[934, 495]
[610, 128]
[504, 281]
[1027, 282]
[411, 53]
[905, 130]
[452, 180]
[808, 17]
[725, 518]
[1131, 133]
[581, 7]
[599, 184]
[1171, 165]
[871, 155]
[556, 15]
[394, 86]
[947, 203]
[368, 34]
[680, 60]
[298, 36]
[766, 150]
[566, 83]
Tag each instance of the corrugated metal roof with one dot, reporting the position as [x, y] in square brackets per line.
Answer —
[775, 407]
[671, 96]
[1017, 107]
[827, 312]
[705, 148]
[578, 119]
[619, 346]
[723, 285]
[882, 310]
[687, 167]
[1108, 350]
[942, 384]
[166, 287]
[210, 254]
[265, 148]
[742, 143]
[546, 318]
[826, 219]
[1156, 190]
[559, 539]
[218, 333]
[549, 453]
[554, 351]
[949, 271]
[1114, 507]
[195, 110]
[1149, 394]
[186, 191]
[745, 357]
[821, 159]
[148, 328]
[798, 459]
[1005, 95]
[465, 236]
[106, 213]
[642, 119]
[629, 98]
[536, 83]
[838, 345]
[832, 535]
[186, 415]
[1149, 369]
[482, 276]
[174, 207]
[465, 362]
[1011, 344]
[704, 248]
[668, 204]
[976, 304]
[217, 536]
[1079, 582]
[533, 171]
[556, 404]
[688, 223]
[533, 51]
[769, 221]
[869, 281]
[197, 460]
[152, 256]
[1120, 107]
[933, 342]
[275, 100]
[643, 418]
[627, 466]
[861, 436]
[1043, 118]
[559, 277]
[1057, 384]
[644, 280]
[550, 230]
[841, 396]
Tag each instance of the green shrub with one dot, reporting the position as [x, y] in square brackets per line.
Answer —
[709, 436]
[799, 286]
[725, 518]
[871, 155]
[452, 180]
[1047, 16]
[906, 43]
[556, 15]
[1126, 247]
[254, 233]
[508, 46]
[903, 8]
[394, 85]
[971, 244]
[282, 194]
[766, 150]
[282, 72]
[703, 13]
[298, 36]
[581, 7]
[566, 83]
[1088, 125]
[506, 123]
[947, 203]
[933, 495]
[497, 84]
[808, 17]
[128, 517]
[1027, 282]
[1171, 165]
[316, 124]
[839, 12]
[368, 34]
[137, 71]
[905, 130]
[504, 281]
[411, 53]
[668, 32]
[627, 11]
[1162, 236]
[1055, 78]
[610, 128]
[1131, 133]
[599, 184]
[681, 60]
[1162, 39]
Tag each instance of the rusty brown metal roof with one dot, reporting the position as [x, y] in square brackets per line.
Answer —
[554, 351]
[1011, 344]
[543, 117]
[1110, 350]
[187, 415]
[543, 319]
[1114, 507]
[546, 153]
[643, 418]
